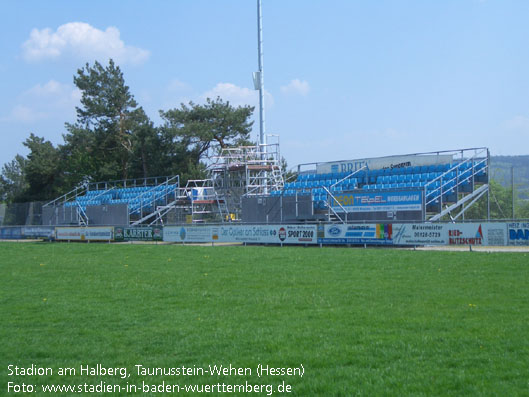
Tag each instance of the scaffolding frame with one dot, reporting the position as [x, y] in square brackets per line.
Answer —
[243, 171]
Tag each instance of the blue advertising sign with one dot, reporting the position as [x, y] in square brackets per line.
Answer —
[518, 233]
[11, 233]
[36, 232]
[379, 234]
[364, 201]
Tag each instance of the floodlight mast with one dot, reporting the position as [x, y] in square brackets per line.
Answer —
[259, 83]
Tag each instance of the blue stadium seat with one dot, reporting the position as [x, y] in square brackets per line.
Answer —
[401, 178]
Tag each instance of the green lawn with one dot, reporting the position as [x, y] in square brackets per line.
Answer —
[361, 321]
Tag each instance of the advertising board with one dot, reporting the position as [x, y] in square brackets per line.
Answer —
[11, 233]
[85, 233]
[518, 233]
[365, 201]
[187, 234]
[450, 234]
[380, 163]
[138, 234]
[267, 234]
[379, 234]
[259, 234]
[47, 232]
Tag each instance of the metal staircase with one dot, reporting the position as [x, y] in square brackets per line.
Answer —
[470, 183]
[81, 216]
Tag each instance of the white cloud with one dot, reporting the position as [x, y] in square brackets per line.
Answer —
[237, 96]
[25, 114]
[57, 92]
[81, 40]
[45, 101]
[296, 87]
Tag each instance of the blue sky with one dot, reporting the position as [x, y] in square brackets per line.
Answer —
[344, 79]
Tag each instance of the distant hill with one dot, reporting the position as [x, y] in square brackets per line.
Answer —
[501, 172]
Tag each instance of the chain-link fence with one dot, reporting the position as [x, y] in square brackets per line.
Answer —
[17, 214]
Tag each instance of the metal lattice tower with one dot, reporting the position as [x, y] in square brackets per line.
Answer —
[242, 171]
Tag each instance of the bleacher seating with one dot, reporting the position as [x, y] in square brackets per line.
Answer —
[441, 182]
[139, 198]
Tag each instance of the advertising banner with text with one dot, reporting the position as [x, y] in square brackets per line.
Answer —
[259, 234]
[27, 232]
[450, 234]
[102, 233]
[380, 163]
[518, 233]
[11, 233]
[268, 234]
[408, 200]
[138, 233]
[188, 234]
[47, 232]
[378, 234]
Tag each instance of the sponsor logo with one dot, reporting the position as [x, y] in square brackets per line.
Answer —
[400, 165]
[118, 233]
[455, 237]
[335, 231]
[158, 233]
[282, 234]
[519, 234]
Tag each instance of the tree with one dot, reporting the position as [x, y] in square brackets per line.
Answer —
[41, 170]
[210, 127]
[105, 123]
[81, 160]
[149, 153]
[13, 180]
[113, 138]
[288, 174]
[500, 204]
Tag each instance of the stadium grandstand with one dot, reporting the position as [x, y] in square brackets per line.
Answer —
[419, 187]
[233, 174]
[245, 186]
[114, 202]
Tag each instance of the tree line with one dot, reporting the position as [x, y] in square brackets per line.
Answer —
[113, 139]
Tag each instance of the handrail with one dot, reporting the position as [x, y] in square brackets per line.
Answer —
[104, 192]
[332, 209]
[82, 215]
[348, 176]
[474, 161]
[71, 192]
[438, 152]
[145, 201]
[135, 182]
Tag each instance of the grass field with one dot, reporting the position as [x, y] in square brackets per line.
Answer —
[361, 321]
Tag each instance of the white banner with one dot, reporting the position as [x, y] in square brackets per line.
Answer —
[450, 234]
[259, 234]
[368, 233]
[268, 234]
[84, 233]
[191, 234]
[380, 163]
